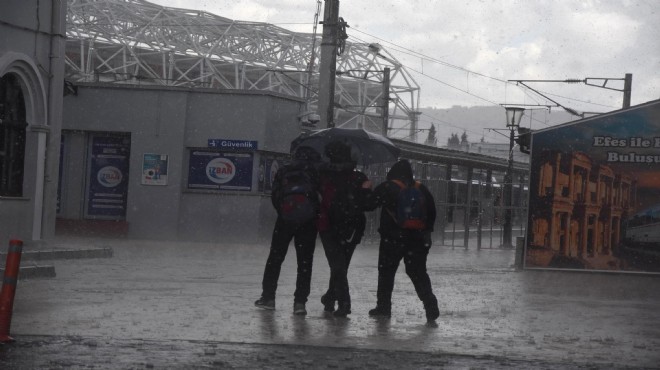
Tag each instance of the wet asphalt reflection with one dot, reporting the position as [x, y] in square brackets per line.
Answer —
[151, 290]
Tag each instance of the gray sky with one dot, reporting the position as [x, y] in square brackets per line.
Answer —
[462, 52]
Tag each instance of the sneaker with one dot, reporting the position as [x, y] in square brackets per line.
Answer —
[432, 311]
[267, 304]
[380, 311]
[328, 305]
[299, 309]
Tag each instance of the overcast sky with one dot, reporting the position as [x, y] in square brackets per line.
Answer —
[463, 52]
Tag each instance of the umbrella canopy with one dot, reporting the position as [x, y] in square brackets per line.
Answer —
[366, 147]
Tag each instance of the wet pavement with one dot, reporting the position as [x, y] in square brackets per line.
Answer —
[190, 305]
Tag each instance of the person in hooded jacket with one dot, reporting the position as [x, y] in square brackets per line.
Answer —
[397, 243]
[304, 235]
[340, 233]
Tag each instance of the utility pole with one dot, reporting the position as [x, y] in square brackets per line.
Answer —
[386, 100]
[310, 69]
[627, 90]
[328, 65]
[414, 118]
[508, 196]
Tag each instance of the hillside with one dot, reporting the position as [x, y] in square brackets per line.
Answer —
[476, 121]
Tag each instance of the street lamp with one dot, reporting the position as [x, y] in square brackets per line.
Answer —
[513, 117]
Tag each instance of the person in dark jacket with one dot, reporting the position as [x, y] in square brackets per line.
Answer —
[397, 243]
[340, 231]
[303, 234]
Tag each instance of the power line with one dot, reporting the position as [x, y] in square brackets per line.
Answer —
[411, 52]
[431, 59]
[450, 85]
[442, 82]
[465, 91]
[577, 100]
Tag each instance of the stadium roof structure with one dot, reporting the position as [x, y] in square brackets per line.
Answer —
[137, 42]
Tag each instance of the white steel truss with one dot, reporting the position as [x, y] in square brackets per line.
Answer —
[137, 42]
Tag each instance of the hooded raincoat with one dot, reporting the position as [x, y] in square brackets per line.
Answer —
[397, 243]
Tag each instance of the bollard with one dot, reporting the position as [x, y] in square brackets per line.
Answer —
[520, 249]
[9, 288]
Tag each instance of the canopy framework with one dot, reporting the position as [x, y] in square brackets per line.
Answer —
[136, 42]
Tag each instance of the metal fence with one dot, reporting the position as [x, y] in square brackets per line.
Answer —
[469, 203]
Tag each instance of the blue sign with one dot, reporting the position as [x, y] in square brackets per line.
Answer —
[239, 145]
[220, 171]
[108, 177]
[267, 170]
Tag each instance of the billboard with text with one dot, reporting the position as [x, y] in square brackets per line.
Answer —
[595, 193]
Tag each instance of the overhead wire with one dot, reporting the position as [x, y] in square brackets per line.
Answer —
[467, 71]
[453, 87]
[443, 82]
[407, 51]
[429, 58]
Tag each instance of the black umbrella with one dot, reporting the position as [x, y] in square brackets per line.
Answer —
[367, 147]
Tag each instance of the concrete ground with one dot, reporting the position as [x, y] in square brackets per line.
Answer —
[160, 304]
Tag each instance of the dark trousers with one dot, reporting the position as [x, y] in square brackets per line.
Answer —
[413, 251]
[339, 254]
[304, 238]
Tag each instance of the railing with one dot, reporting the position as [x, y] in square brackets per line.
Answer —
[468, 216]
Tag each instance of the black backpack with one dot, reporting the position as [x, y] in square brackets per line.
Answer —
[298, 200]
[411, 207]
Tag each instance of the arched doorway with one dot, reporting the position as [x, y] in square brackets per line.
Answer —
[24, 133]
[12, 136]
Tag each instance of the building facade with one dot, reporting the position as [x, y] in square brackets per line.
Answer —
[31, 84]
[173, 163]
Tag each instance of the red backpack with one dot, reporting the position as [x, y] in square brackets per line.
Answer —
[298, 202]
[411, 207]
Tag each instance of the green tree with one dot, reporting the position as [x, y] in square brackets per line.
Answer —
[453, 141]
[431, 139]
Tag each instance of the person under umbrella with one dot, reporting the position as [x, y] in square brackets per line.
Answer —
[295, 198]
[341, 221]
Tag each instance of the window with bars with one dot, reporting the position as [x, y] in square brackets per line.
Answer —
[12, 136]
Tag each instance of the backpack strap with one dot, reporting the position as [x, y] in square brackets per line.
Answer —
[402, 186]
[400, 183]
[416, 184]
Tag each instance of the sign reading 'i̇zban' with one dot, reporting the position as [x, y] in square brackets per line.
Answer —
[220, 170]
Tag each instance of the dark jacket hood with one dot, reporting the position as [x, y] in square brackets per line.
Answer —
[402, 171]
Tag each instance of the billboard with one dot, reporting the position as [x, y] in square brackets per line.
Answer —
[213, 170]
[594, 193]
[107, 192]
